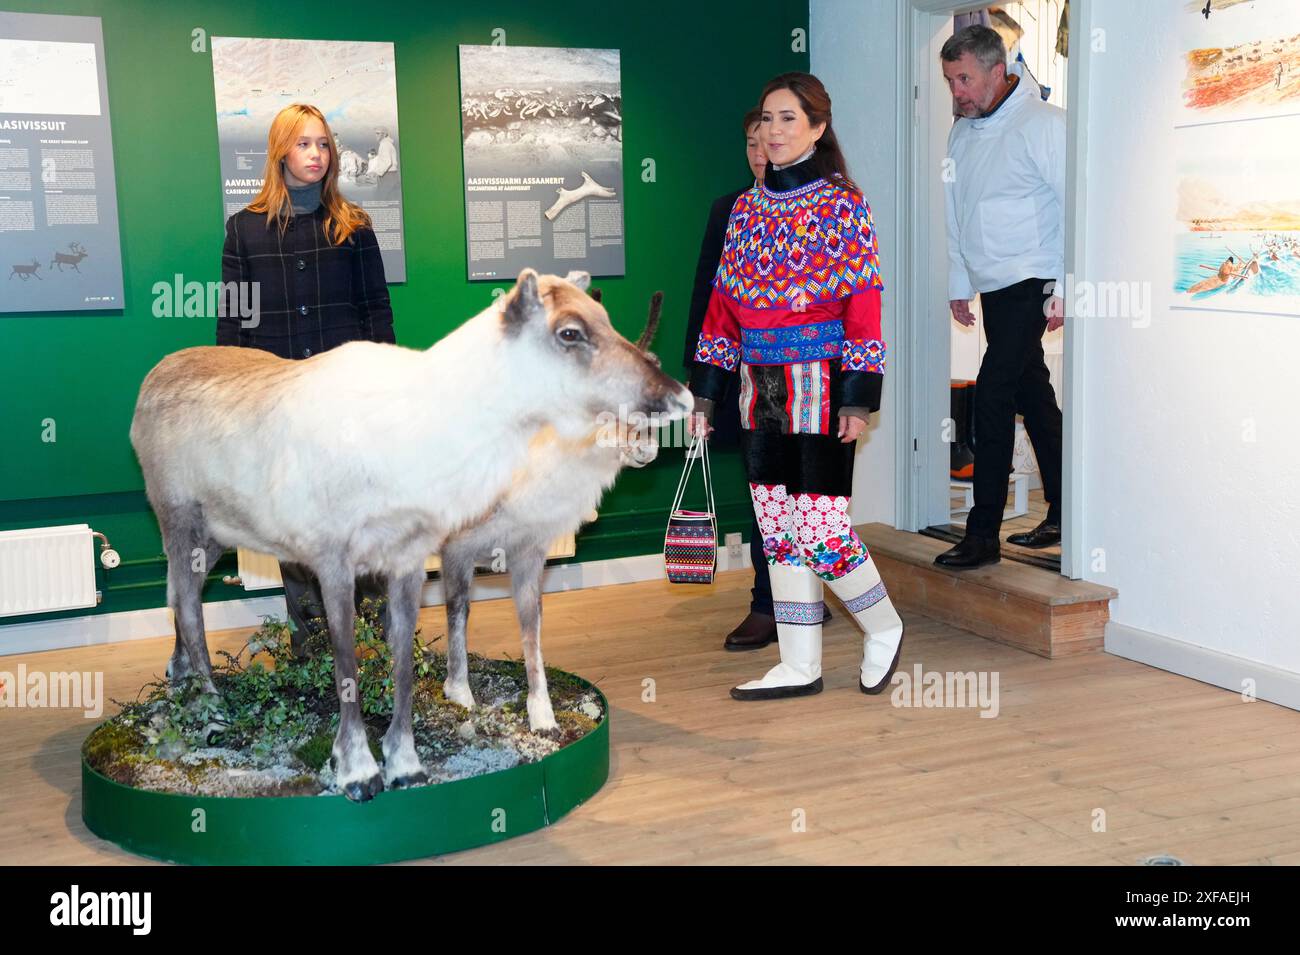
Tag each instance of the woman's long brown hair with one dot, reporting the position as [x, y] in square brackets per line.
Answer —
[827, 158]
[342, 218]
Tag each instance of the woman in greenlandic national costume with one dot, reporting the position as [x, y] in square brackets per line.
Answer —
[796, 313]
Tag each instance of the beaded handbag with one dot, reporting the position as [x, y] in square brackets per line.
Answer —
[691, 543]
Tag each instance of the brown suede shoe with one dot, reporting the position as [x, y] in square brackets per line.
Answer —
[755, 632]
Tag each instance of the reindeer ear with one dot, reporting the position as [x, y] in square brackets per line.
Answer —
[580, 279]
[524, 301]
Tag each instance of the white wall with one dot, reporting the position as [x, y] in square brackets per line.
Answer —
[853, 50]
[1200, 528]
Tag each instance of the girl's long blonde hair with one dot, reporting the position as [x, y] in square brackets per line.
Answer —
[342, 218]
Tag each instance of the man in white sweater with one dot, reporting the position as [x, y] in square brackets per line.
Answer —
[1004, 186]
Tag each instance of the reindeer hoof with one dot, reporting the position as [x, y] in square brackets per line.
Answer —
[364, 790]
[409, 780]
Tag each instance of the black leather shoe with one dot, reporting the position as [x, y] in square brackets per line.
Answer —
[971, 552]
[1044, 535]
[755, 632]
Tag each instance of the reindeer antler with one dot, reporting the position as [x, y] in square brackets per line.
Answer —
[568, 197]
[652, 323]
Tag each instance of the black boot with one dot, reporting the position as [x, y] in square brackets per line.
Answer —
[973, 551]
[755, 632]
[1045, 534]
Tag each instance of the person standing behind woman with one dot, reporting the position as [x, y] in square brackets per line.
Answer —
[320, 278]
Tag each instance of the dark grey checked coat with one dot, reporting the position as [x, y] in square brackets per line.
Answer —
[313, 295]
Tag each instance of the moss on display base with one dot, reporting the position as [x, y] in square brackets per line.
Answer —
[243, 778]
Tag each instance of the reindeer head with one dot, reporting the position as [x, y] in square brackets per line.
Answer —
[635, 437]
[562, 334]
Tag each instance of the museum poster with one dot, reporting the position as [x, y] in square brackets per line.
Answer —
[353, 84]
[542, 132]
[59, 245]
[1237, 136]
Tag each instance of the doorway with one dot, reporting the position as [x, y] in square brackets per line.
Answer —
[939, 351]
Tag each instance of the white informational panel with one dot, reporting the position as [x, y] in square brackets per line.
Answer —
[59, 244]
[542, 132]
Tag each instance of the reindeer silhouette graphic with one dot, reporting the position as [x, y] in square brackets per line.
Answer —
[64, 258]
[25, 272]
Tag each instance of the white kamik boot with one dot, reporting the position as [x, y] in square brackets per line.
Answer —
[863, 595]
[797, 601]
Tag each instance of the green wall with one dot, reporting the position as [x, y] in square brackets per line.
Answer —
[689, 72]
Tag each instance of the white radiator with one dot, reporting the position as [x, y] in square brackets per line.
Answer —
[258, 571]
[262, 572]
[46, 568]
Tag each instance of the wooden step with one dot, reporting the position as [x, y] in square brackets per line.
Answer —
[1016, 604]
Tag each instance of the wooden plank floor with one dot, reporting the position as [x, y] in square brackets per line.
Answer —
[1176, 766]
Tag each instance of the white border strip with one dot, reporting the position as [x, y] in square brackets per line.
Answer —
[100, 629]
[1200, 663]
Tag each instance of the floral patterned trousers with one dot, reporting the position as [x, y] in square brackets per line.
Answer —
[800, 474]
[800, 480]
[807, 529]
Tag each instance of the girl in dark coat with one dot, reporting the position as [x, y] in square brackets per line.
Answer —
[314, 261]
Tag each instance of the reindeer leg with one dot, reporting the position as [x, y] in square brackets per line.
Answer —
[401, 763]
[526, 583]
[355, 767]
[457, 584]
[185, 540]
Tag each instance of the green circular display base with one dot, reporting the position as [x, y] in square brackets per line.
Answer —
[331, 830]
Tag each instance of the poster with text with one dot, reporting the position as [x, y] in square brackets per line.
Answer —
[542, 132]
[59, 244]
[354, 84]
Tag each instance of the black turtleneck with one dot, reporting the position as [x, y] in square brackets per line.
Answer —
[791, 177]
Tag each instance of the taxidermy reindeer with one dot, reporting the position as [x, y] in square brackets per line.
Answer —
[564, 482]
[364, 459]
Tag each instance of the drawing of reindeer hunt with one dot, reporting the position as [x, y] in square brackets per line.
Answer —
[365, 459]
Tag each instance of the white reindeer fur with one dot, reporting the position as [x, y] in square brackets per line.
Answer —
[561, 487]
[380, 451]
[365, 458]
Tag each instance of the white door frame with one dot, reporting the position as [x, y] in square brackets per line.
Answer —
[921, 455]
